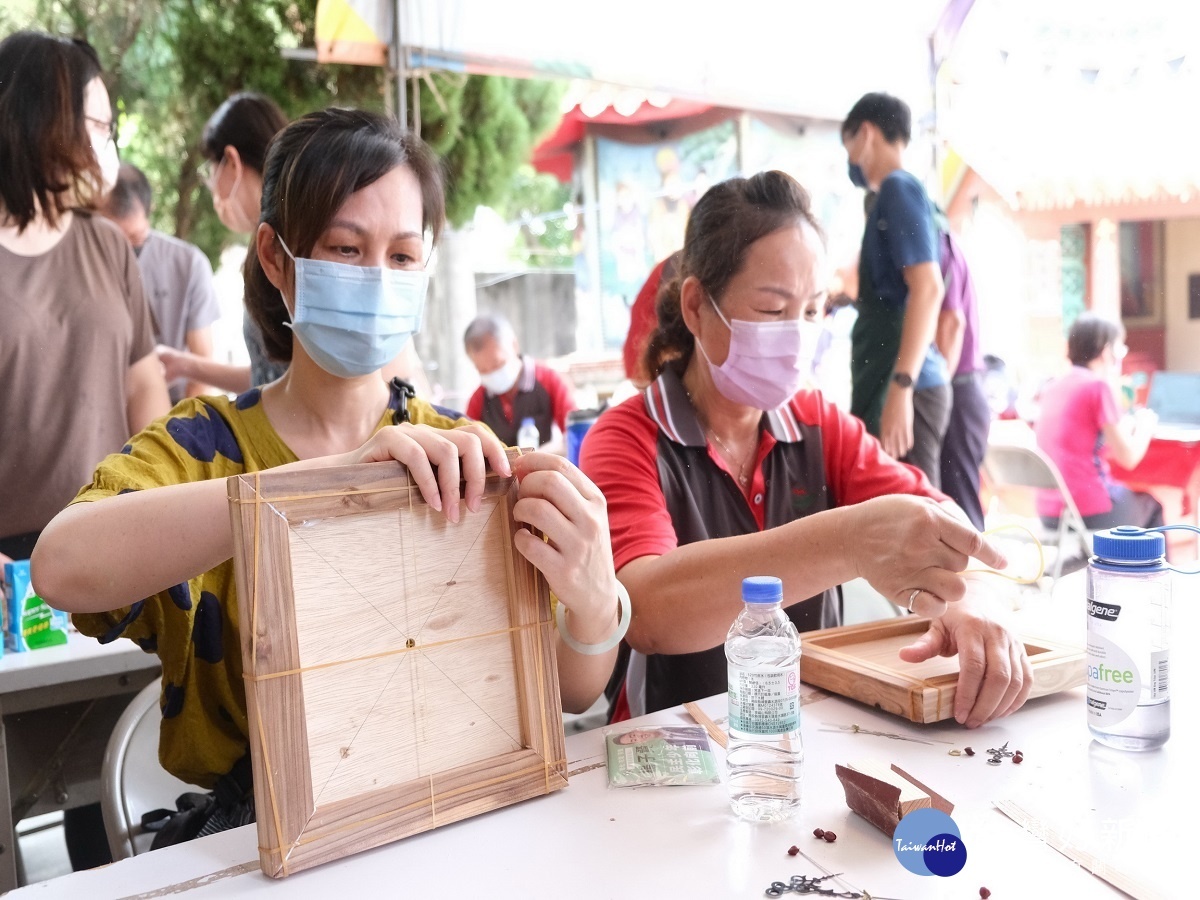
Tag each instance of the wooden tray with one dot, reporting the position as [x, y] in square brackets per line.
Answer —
[400, 670]
[862, 662]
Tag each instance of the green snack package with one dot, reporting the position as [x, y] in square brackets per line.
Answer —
[663, 754]
[31, 623]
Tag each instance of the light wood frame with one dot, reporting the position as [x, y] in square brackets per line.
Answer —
[314, 658]
[861, 662]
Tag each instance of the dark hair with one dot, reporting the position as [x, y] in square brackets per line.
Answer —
[48, 160]
[312, 168]
[889, 114]
[723, 224]
[247, 122]
[132, 187]
[1088, 337]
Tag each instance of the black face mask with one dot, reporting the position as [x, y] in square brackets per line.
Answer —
[857, 178]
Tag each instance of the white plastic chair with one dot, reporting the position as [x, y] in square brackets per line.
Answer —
[1026, 466]
[132, 781]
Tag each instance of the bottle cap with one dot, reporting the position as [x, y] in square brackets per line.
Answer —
[762, 589]
[1128, 543]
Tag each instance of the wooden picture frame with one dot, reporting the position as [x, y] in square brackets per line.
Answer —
[862, 662]
[400, 669]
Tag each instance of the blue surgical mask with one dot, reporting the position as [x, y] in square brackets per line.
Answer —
[857, 178]
[354, 320]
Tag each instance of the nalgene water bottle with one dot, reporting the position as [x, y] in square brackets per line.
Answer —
[1128, 639]
[765, 756]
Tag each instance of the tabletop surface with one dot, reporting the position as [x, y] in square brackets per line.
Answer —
[590, 840]
[80, 657]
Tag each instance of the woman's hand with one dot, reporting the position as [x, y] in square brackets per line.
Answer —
[177, 364]
[459, 454]
[576, 559]
[994, 675]
[912, 551]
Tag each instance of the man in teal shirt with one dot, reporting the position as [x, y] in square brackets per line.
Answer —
[900, 384]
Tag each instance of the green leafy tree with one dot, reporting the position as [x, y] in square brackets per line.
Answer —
[484, 128]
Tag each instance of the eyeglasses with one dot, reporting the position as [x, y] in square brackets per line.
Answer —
[104, 128]
[208, 172]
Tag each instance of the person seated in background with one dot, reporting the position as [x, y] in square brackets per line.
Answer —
[724, 468]
[514, 387]
[175, 274]
[1079, 416]
[349, 200]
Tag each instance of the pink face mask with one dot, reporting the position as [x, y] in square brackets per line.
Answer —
[767, 361]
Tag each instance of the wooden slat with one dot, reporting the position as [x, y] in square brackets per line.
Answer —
[278, 753]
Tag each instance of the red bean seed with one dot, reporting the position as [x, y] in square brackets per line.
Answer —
[984, 893]
[830, 837]
[793, 850]
[818, 832]
[969, 751]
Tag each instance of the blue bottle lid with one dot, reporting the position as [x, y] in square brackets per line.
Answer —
[1129, 544]
[762, 589]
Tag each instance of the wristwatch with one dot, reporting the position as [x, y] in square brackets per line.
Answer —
[903, 379]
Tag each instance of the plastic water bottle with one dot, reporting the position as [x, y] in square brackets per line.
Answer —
[765, 756]
[1128, 639]
[527, 434]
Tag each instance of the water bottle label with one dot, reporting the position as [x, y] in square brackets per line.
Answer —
[764, 701]
[1113, 683]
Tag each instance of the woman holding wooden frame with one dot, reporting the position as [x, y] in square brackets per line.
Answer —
[725, 468]
[336, 281]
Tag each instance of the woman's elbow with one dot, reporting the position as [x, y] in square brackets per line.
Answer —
[52, 572]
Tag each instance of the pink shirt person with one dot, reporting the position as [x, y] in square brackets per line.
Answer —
[1075, 410]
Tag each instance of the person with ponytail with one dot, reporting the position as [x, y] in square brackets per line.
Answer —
[234, 144]
[723, 468]
[351, 204]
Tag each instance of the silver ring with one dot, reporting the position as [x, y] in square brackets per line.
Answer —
[912, 597]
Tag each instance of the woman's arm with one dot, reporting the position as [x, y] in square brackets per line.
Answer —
[146, 397]
[147, 541]
[898, 543]
[576, 559]
[203, 369]
[1128, 439]
[199, 343]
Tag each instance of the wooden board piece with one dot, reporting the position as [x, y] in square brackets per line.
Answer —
[910, 797]
[874, 790]
[400, 669]
[862, 662]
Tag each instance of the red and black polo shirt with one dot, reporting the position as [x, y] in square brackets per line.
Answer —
[666, 486]
[539, 394]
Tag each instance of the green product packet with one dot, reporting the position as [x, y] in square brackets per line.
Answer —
[664, 755]
[32, 624]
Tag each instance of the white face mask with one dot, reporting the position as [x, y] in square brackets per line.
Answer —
[501, 381]
[106, 154]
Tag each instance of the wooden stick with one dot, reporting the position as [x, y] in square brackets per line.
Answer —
[1093, 864]
[713, 729]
